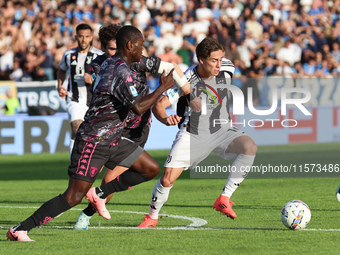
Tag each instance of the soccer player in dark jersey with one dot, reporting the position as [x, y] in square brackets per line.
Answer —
[73, 66]
[137, 127]
[198, 136]
[98, 139]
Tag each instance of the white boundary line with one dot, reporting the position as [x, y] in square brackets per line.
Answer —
[196, 224]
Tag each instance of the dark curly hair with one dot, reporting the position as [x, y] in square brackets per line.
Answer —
[108, 33]
[206, 46]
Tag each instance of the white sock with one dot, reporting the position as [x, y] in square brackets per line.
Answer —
[237, 174]
[160, 195]
[70, 148]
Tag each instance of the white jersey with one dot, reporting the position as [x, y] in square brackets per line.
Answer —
[199, 135]
[214, 96]
[76, 64]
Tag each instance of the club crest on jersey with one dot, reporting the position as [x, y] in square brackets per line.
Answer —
[93, 171]
[133, 91]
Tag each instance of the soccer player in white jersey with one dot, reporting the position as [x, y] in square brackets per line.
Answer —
[76, 89]
[197, 137]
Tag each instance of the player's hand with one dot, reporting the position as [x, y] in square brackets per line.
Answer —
[166, 81]
[88, 78]
[62, 92]
[173, 120]
[196, 104]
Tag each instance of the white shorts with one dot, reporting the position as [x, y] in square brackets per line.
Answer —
[189, 150]
[76, 111]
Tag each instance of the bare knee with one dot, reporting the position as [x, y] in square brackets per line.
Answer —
[166, 181]
[74, 198]
[154, 170]
[249, 148]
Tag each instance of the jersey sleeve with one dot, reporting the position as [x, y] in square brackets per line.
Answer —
[62, 63]
[96, 63]
[228, 70]
[150, 65]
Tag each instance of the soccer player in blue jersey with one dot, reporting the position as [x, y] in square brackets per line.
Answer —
[198, 136]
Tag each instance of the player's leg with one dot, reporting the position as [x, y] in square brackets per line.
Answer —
[52, 208]
[178, 160]
[243, 149]
[83, 220]
[79, 183]
[160, 195]
[76, 113]
[135, 158]
[144, 164]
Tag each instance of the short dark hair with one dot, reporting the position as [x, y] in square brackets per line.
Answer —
[126, 34]
[83, 26]
[108, 33]
[206, 46]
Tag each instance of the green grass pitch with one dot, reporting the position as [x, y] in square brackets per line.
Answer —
[30, 180]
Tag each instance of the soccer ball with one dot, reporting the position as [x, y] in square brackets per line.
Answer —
[295, 215]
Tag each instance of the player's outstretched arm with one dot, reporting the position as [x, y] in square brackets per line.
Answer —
[166, 82]
[159, 110]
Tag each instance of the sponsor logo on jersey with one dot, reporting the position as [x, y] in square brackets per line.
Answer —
[129, 79]
[74, 63]
[133, 91]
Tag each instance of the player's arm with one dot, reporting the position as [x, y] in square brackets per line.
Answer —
[159, 110]
[145, 103]
[61, 77]
[155, 65]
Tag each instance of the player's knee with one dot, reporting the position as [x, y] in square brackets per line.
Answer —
[74, 200]
[153, 170]
[166, 181]
[250, 148]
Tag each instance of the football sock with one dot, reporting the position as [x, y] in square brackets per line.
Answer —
[45, 213]
[89, 210]
[160, 195]
[70, 147]
[239, 171]
[126, 180]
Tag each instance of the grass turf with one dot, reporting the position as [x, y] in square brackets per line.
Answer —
[30, 180]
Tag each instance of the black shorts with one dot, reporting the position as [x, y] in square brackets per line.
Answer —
[87, 159]
[137, 135]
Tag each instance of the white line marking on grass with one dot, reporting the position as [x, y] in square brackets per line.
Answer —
[195, 222]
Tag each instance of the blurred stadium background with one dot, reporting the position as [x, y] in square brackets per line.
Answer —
[274, 45]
